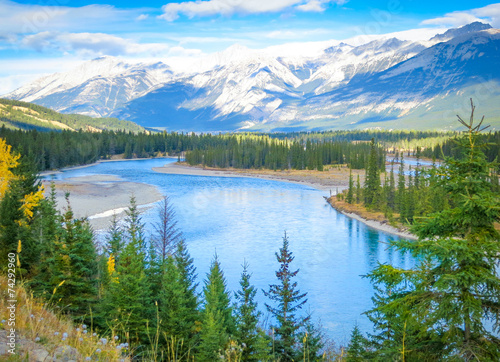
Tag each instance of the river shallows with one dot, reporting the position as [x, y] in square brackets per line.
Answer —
[245, 219]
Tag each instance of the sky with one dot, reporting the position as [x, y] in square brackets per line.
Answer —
[46, 36]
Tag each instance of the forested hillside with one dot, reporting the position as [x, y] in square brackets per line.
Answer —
[28, 116]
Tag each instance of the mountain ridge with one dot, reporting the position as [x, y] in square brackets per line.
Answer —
[345, 86]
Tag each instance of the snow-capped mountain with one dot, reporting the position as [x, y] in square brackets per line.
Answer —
[343, 86]
[96, 87]
[431, 84]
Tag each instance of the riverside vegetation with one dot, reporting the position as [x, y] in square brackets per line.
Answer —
[142, 288]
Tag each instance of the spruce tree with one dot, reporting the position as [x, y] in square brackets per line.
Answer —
[372, 180]
[311, 342]
[134, 227]
[217, 321]
[114, 239]
[248, 334]
[356, 350]
[178, 298]
[359, 195]
[350, 191]
[127, 301]
[47, 230]
[167, 234]
[15, 223]
[74, 268]
[454, 290]
[288, 300]
[401, 193]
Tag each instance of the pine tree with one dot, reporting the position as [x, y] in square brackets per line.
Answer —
[179, 301]
[46, 230]
[350, 191]
[401, 193]
[127, 301]
[248, 334]
[167, 234]
[311, 342]
[454, 291]
[372, 181]
[217, 321]
[134, 230]
[356, 350]
[74, 268]
[114, 239]
[359, 191]
[289, 300]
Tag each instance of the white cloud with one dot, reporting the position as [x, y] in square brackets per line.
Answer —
[312, 6]
[18, 18]
[142, 17]
[90, 44]
[200, 8]
[489, 14]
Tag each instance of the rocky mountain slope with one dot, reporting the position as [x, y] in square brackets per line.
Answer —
[387, 83]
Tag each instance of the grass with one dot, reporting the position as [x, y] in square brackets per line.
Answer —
[37, 322]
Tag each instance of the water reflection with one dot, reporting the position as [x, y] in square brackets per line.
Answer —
[244, 219]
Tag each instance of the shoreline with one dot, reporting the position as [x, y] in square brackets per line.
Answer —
[378, 225]
[98, 197]
[89, 193]
[333, 180]
[375, 220]
[285, 176]
[70, 168]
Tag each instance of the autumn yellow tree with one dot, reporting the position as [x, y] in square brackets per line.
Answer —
[21, 193]
[8, 161]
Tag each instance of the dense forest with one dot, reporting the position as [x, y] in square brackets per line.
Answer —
[142, 289]
[265, 152]
[447, 148]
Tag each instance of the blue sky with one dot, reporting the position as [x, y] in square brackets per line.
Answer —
[45, 36]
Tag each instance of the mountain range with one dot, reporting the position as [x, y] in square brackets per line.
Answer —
[387, 83]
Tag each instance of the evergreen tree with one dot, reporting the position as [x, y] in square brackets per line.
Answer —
[311, 345]
[134, 229]
[46, 230]
[127, 301]
[356, 350]
[114, 239]
[179, 301]
[372, 180]
[167, 234]
[217, 323]
[74, 267]
[359, 195]
[350, 191]
[289, 300]
[18, 208]
[401, 194]
[248, 334]
[454, 291]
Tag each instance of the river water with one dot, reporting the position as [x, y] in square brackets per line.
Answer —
[244, 219]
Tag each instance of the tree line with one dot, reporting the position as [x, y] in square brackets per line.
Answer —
[271, 153]
[447, 148]
[142, 287]
[53, 150]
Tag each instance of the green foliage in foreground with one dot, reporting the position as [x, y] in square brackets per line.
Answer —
[447, 306]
